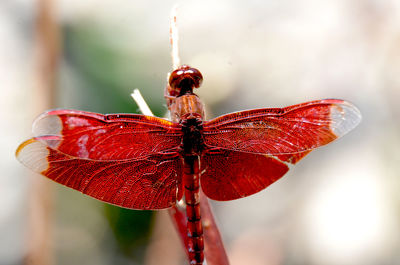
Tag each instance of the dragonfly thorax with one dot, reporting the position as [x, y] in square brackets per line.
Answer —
[192, 141]
[186, 107]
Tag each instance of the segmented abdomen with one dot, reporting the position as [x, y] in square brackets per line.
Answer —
[192, 192]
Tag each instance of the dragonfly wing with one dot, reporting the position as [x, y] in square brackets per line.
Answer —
[283, 131]
[106, 137]
[152, 182]
[228, 175]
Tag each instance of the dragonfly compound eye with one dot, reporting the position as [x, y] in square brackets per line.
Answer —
[184, 79]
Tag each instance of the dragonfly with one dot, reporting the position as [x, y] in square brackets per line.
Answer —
[149, 163]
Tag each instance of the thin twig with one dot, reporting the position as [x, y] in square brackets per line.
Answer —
[144, 108]
[174, 38]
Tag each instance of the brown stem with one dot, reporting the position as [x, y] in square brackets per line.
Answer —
[214, 248]
[179, 219]
[45, 68]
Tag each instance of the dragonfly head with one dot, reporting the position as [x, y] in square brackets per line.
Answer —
[183, 80]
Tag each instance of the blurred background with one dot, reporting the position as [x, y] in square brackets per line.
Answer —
[340, 205]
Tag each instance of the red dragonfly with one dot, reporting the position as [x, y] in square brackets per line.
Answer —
[148, 163]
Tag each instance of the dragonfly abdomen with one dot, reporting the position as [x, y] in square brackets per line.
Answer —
[191, 183]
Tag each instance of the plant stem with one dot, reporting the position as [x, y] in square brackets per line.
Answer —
[214, 248]
[40, 202]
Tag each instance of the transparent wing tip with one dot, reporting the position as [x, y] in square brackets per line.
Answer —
[47, 124]
[33, 154]
[345, 117]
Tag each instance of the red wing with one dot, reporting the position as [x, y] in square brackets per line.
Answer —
[295, 129]
[106, 137]
[229, 175]
[152, 182]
